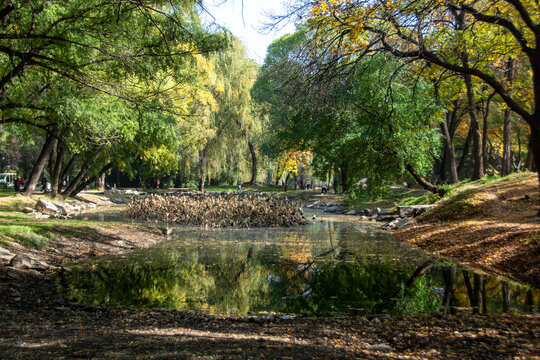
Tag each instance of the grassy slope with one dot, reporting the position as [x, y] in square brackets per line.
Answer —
[486, 224]
[58, 241]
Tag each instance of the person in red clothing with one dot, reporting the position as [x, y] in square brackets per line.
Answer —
[17, 184]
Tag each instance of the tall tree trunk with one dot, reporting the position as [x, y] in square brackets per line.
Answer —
[286, 187]
[253, 163]
[449, 150]
[507, 126]
[101, 182]
[477, 300]
[439, 167]
[484, 295]
[57, 170]
[465, 153]
[507, 143]
[52, 160]
[477, 156]
[83, 185]
[469, 287]
[202, 171]
[423, 182]
[295, 181]
[485, 131]
[344, 167]
[41, 161]
[84, 169]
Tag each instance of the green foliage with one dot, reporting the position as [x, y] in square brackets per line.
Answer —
[423, 301]
[370, 124]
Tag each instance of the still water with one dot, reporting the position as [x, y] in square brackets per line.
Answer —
[334, 265]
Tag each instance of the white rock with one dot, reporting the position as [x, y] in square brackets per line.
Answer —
[47, 207]
[26, 262]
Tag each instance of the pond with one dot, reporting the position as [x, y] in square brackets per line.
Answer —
[334, 265]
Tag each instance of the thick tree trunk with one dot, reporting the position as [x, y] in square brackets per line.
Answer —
[202, 171]
[84, 169]
[101, 182]
[286, 187]
[57, 170]
[535, 147]
[83, 185]
[253, 163]
[423, 182]
[449, 151]
[41, 161]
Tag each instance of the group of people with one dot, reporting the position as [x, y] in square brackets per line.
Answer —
[305, 185]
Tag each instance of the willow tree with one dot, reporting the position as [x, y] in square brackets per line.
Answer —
[234, 119]
[112, 48]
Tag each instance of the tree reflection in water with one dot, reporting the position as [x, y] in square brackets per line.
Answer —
[324, 269]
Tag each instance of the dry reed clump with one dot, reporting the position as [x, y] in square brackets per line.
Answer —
[217, 211]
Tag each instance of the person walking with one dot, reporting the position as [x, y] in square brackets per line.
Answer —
[324, 189]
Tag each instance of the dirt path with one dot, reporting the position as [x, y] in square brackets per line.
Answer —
[72, 332]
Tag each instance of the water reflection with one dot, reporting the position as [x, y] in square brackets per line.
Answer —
[329, 267]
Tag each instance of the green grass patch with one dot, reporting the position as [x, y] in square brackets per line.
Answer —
[26, 235]
[7, 192]
[392, 197]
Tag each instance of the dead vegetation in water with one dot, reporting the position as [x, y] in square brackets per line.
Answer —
[218, 211]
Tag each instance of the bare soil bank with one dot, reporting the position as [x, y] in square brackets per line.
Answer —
[492, 228]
